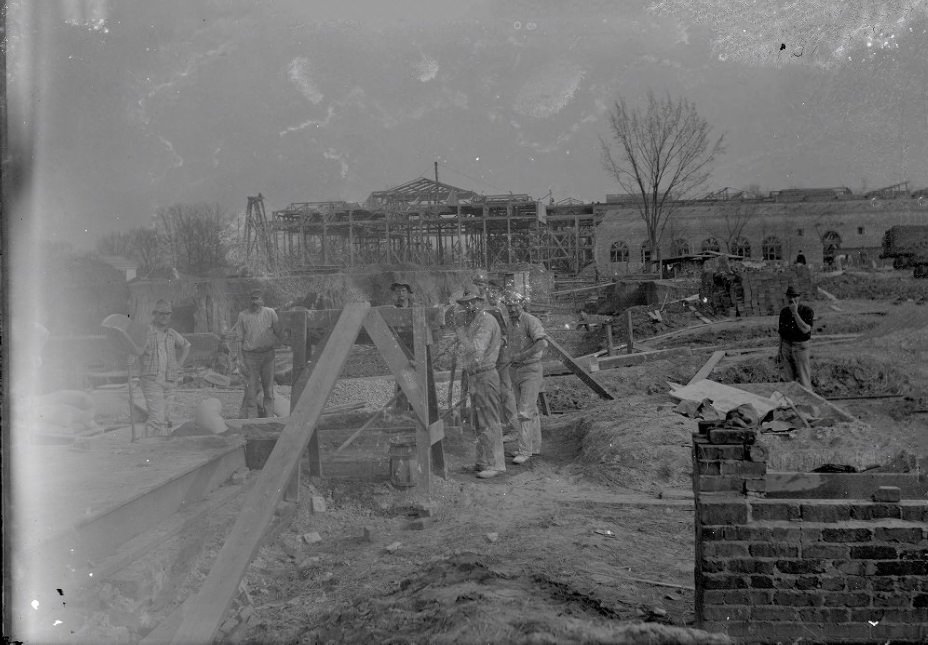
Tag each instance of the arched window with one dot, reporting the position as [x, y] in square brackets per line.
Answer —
[680, 247]
[711, 244]
[645, 252]
[772, 248]
[741, 246]
[831, 239]
[618, 252]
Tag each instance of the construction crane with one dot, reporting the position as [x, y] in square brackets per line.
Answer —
[259, 243]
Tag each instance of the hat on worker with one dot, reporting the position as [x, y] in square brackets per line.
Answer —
[469, 295]
[256, 293]
[163, 306]
[514, 298]
[791, 292]
[400, 285]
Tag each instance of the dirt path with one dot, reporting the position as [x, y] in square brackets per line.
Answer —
[538, 555]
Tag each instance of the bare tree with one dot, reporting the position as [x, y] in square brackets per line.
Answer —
[115, 243]
[146, 247]
[661, 152]
[194, 236]
[143, 245]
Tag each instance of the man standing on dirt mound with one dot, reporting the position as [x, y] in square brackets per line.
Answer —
[480, 342]
[508, 415]
[795, 332]
[259, 330]
[528, 342]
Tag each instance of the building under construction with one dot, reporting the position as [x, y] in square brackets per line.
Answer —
[428, 223]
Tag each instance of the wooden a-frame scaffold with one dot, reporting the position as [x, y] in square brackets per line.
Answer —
[199, 618]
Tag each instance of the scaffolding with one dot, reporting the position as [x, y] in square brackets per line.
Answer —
[428, 223]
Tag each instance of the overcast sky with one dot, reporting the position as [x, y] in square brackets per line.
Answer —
[134, 105]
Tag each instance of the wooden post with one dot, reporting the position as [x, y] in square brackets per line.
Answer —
[509, 233]
[630, 346]
[423, 444]
[609, 350]
[350, 239]
[486, 241]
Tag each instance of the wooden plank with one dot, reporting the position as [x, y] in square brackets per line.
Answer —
[397, 360]
[630, 343]
[627, 360]
[420, 338]
[212, 601]
[578, 370]
[844, 414]
[706, 369]
[396, 317]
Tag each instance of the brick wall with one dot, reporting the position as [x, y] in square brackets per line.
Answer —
[769, 570]
[754, 293]
[860, 223]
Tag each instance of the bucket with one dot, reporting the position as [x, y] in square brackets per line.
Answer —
[404, 463]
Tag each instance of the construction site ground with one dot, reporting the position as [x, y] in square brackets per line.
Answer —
[592, 541]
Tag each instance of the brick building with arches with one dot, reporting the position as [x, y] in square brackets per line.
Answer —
[830, 227]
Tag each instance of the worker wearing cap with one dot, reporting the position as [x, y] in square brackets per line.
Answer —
[258, 328]
[402, 295]
[159, 367]
[528, 341]
[795, 328]
[480, 343]
[490, 291]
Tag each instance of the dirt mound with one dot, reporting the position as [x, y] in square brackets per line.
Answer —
[875, 286]
[857, 375]
[637, 443]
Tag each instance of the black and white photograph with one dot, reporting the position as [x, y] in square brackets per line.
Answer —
[464, 321]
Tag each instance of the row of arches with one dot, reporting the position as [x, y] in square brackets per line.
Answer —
[771, 247]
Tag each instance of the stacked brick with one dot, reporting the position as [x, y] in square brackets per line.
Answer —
[754, 293]
[769, 570]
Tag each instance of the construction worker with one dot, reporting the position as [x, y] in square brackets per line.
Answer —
[795, 329]
[159, 367]
[490, 292]
[402, 299]
[402, 295]
[259, 330]
[528, 342]
[480, 342]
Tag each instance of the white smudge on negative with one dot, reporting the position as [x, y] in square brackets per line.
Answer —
[299, 72]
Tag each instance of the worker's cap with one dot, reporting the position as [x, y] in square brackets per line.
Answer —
[469, 295]
[400, 285]
[163, 307]
[256, 293]
[791, 292]
[514, 298]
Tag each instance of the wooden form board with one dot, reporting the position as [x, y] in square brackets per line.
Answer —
[724, 397]
[396, 317]
[199, 625]
[581, 373]
[706, 369]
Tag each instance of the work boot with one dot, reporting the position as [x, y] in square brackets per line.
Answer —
[487, 474]
[520, 459]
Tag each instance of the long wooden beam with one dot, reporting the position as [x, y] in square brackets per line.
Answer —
[577, 369]
[400, 363]
[199, 625]
[706, 369]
